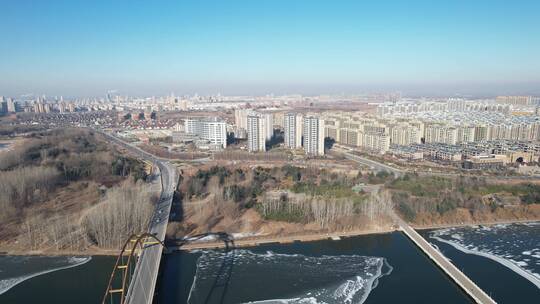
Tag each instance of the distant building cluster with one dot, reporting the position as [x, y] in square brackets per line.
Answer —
[450, 122]
[518, 100]
[42, 105]
[481, 132]
[300, 131]
[456, 127]
[304, 131]
[523, 105]
[8, 106]
[475, 155]
[360, 130]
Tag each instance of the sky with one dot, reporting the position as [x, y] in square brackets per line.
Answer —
[234, 47]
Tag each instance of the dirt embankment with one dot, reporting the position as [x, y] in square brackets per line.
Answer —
[215, 215]
[462, 216]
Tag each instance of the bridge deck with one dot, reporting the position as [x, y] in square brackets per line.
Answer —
[477, 294]
[142, 286]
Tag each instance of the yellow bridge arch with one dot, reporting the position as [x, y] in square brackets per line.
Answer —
[125, 266]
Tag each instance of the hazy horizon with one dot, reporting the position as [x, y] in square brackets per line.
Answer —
[73, 48]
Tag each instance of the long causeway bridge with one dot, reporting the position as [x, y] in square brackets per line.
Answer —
[466, 284]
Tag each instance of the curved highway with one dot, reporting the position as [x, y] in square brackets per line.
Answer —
[143, 283]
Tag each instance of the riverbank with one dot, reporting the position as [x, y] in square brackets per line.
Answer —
[266, 239]
[269, 239]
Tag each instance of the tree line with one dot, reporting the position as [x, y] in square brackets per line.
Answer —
[47, 163]
[326, 211]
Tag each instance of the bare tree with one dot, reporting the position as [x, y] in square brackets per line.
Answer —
[126, 209]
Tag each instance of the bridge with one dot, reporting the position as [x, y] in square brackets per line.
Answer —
[143, 275]
[466, 284]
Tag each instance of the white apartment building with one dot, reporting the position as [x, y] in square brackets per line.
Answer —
[211, 129]
[293, 130]
[376, 142]
[240, 117]
[438, 133]
[465, 134]
[11, 106]
[256, 133]
[268, 125]
[279, 119]
[404, 135]
[241, 121]
[357, 130]
[374, 136]
[313, 132]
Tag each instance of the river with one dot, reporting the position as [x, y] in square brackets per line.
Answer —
[504, 260]
[384, 268]
[38, 279]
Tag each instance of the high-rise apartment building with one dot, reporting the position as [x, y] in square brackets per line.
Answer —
[240, 117]
[313, 133]
[404, 135]
[256, 133]
[268, 124]
[241, 121]
[11, 105]
[440, 133]
[211, 129]
[293, 130]
[379, 142]
[3, 105]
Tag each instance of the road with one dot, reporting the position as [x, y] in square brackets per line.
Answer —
[371, 163]
[377, 166]
[475, 292]
[143, 283]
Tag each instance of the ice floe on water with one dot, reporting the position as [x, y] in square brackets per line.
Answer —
[286, 278]
[516, 246]
[17, 269]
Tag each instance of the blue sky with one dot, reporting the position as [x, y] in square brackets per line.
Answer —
[84, 48]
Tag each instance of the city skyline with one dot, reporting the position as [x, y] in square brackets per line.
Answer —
[254, 48]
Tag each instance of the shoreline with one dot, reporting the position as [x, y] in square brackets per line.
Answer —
[267, 239]
[483, 223]
[111, 253]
